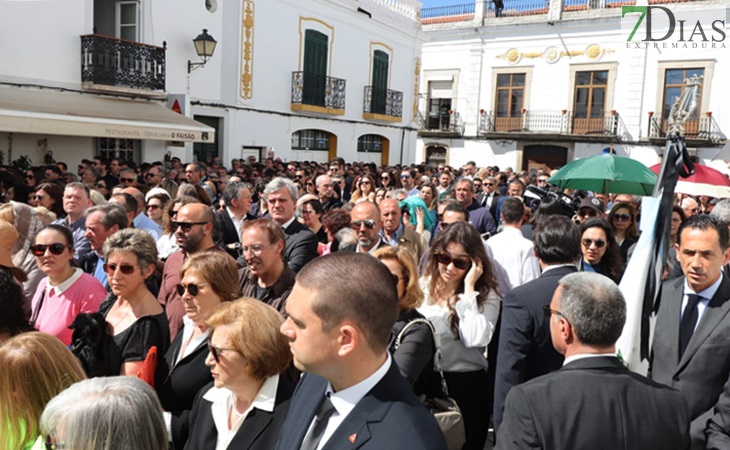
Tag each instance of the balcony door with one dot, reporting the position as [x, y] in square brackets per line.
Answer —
[127, 18]
[590, 101]
[439, 104]
[510, 100]
[380, 82]
[315, 68]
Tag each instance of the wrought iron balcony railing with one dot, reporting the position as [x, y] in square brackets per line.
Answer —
[550, 122]
[115, 62]
[441, 123]
[700, 129]
[382, 101]
[318, 90]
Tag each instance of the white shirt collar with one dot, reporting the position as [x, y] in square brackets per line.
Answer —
[61, 288]
[345, 400]
[586, 356]
[188, 329]
[707, 293]
[288, 222]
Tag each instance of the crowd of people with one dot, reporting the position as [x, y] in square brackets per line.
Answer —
[293, 305]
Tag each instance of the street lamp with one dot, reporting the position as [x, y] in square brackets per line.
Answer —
[204, 47]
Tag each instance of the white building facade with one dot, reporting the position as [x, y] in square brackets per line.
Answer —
[550, 82]
[296, 80]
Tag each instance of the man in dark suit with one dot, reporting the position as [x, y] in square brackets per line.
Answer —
[228, 221]
[594, 401]
[301, 243]
[489, 197]
[352, 396]
[479, 217]
[692, 334]
[525, 349]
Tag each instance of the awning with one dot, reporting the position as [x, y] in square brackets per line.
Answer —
[84, 114]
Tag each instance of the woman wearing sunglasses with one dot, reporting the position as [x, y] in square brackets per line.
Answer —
[206, 280]
[363, 190]
[600, 251]
[155, 207]
[462, 301]
[244, 407]
[135, 319]
[66, 291]
[35, 368]
[623, 222]
[50, 196]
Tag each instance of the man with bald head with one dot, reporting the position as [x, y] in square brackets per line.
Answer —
[326, 192]
[365, 220]
[193, 230]
[141, 221]
[395, 233]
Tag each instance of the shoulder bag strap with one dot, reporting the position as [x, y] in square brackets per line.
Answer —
[38, 306]
[437, 359]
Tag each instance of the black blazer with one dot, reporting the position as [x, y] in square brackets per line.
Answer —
[258, 432]
[525, 348]
[594, 403]
[388, 417]
[301, 245]
[181, 384]
[704, 369]
[226, 232]
[481, 199]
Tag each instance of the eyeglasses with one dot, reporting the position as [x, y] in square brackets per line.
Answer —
[149, 175]
[186, 226]
[51, 444]
[549, 312]
[386, 177]
[310, 184]
[405, 176]
[126, 269]
[489, 184]
[192, 288]
[217, 351]
[101, 185]
[30, 176]
[256, 249]
[365, 182]
[621, 217]
[446, 259]
[477, 186]
[588, 242]
[542, 180]
[587, 213]
[305, 211]
[40, 249]
[39, 197]
[369, 224]
[151, 206]
[127, 180]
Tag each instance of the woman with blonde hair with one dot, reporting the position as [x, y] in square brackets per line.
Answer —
[206, 280]
[248, 358]
[35, 368]
[415, 349]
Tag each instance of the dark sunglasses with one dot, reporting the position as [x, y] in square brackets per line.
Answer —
[446, 259]
[216, 351]
[126, 269]
[386, 177]
[588, 213]
[588, 242]
[101, 185]
[127, 180]
[193, 289]
[489, 184]
[549, 312]
[310, 184]
[405, 176]
[40, 249]
[621, 217]
[153, 206]
[186, 226]
[150, 175]
[30, 176]
[369, 224]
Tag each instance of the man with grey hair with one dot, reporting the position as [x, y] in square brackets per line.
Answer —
[76, 201]
[301, 244]
[593, 401]
[228, 221]
[101, 222]
[326, 193]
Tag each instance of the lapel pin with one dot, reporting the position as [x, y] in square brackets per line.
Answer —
[352, 438]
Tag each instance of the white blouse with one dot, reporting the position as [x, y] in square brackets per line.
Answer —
[476, 327]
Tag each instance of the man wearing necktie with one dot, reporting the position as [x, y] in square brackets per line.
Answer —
[691, 346]
[340, 315]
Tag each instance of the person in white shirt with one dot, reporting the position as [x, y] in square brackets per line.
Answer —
[510, 248]
[462, 301]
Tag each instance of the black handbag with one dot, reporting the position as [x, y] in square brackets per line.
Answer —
[445, 410]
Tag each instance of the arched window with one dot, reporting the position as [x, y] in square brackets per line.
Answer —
[370, 143]
[310, 140]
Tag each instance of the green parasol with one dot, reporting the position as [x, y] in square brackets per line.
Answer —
[606, 174]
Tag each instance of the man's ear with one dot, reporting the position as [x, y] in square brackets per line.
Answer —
[349, 339]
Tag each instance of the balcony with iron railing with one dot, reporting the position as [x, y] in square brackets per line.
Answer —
[476, 12]
[561, 125]
[698, 132]
[115, 64]
[317, 93]
[447, 124]
[382, 104]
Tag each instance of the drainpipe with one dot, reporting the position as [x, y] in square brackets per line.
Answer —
[402, 138]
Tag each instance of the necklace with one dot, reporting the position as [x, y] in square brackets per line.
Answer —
[114, 326]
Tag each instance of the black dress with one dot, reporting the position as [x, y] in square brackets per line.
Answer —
[132, 344]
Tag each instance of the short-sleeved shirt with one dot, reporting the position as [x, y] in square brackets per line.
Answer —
[132, 344]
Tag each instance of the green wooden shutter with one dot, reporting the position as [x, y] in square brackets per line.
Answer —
[380, 82]
[315, 68]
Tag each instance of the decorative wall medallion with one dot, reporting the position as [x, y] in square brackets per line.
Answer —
[513, 56]
[552, 54]
[593, 52]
